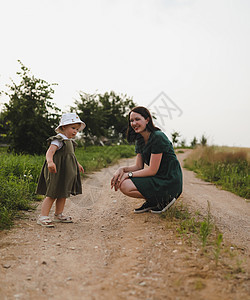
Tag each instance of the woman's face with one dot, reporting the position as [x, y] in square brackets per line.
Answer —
[137, 122]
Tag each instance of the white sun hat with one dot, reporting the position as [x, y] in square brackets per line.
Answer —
[70, 118]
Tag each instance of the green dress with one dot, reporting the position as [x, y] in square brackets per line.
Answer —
[167, 183]
[67, 180]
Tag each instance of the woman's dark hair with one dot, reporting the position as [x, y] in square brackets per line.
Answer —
[143, 111]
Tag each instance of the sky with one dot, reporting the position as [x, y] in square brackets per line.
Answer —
[188, 61]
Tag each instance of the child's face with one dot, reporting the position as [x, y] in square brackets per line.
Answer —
[71, 130]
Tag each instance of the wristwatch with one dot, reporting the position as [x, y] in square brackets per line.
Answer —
[130, 174]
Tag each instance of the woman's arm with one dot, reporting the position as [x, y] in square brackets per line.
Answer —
[120, 172]
[138, 165]
[153, 168]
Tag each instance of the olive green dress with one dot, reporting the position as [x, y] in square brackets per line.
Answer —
[67, 180]
[167, 183]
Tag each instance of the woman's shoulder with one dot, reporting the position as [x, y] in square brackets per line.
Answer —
[159, 135]
[160, 143]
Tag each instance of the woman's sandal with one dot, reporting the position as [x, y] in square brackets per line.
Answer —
[63, 219]
[45, 221]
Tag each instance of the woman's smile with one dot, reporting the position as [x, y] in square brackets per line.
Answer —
[136, 127]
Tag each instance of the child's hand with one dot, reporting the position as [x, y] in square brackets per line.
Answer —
[52, 167]
[80, 168]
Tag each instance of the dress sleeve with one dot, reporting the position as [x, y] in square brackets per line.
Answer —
[55, 140]
[160, 143]
[57, 143]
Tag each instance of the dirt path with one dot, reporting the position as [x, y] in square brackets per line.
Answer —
[111, 253]
[231, 213]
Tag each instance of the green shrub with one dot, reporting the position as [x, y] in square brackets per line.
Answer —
[6, 217]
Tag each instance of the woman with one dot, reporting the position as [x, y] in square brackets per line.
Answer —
[161, 183]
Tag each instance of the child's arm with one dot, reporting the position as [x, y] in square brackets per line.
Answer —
[80, 167]
[49, 157]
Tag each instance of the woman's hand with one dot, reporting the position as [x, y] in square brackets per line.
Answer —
[124, 176]
[115, 181]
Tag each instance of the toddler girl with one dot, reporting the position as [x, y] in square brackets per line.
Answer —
[60, 175]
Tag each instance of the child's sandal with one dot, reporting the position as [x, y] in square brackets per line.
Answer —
[45, 221]
[63, 219]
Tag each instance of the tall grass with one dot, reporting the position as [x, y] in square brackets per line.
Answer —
[224, 166]
[19, 175]
[18, 178]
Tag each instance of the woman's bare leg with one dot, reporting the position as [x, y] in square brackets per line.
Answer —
[129, 189]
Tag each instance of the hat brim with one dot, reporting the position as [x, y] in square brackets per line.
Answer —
[83, 125]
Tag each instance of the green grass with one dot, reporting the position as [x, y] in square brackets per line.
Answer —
[217, 248]
[19, 175]
[187, 224]
[226, 167]
[96, 157]
[196, 228]
[199, 232]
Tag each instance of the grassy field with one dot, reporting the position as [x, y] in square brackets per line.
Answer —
[19, 175]
[227, 167]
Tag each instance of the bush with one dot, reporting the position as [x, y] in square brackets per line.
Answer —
[18, 178]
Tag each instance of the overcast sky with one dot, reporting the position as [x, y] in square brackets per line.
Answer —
[187, 60]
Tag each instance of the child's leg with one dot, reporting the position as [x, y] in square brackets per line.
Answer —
[59, 217]
[46, 206]
[44, 219]
[60, 203]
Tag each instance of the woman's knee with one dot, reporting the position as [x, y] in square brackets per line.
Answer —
[124, 188]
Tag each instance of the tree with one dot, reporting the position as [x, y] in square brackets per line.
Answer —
[175, 135]
[116, 109]
[90, 111]
[105, 115]
[194, 142]
[183, 143]
[4, 128]
[31, 116]
[203, 140]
